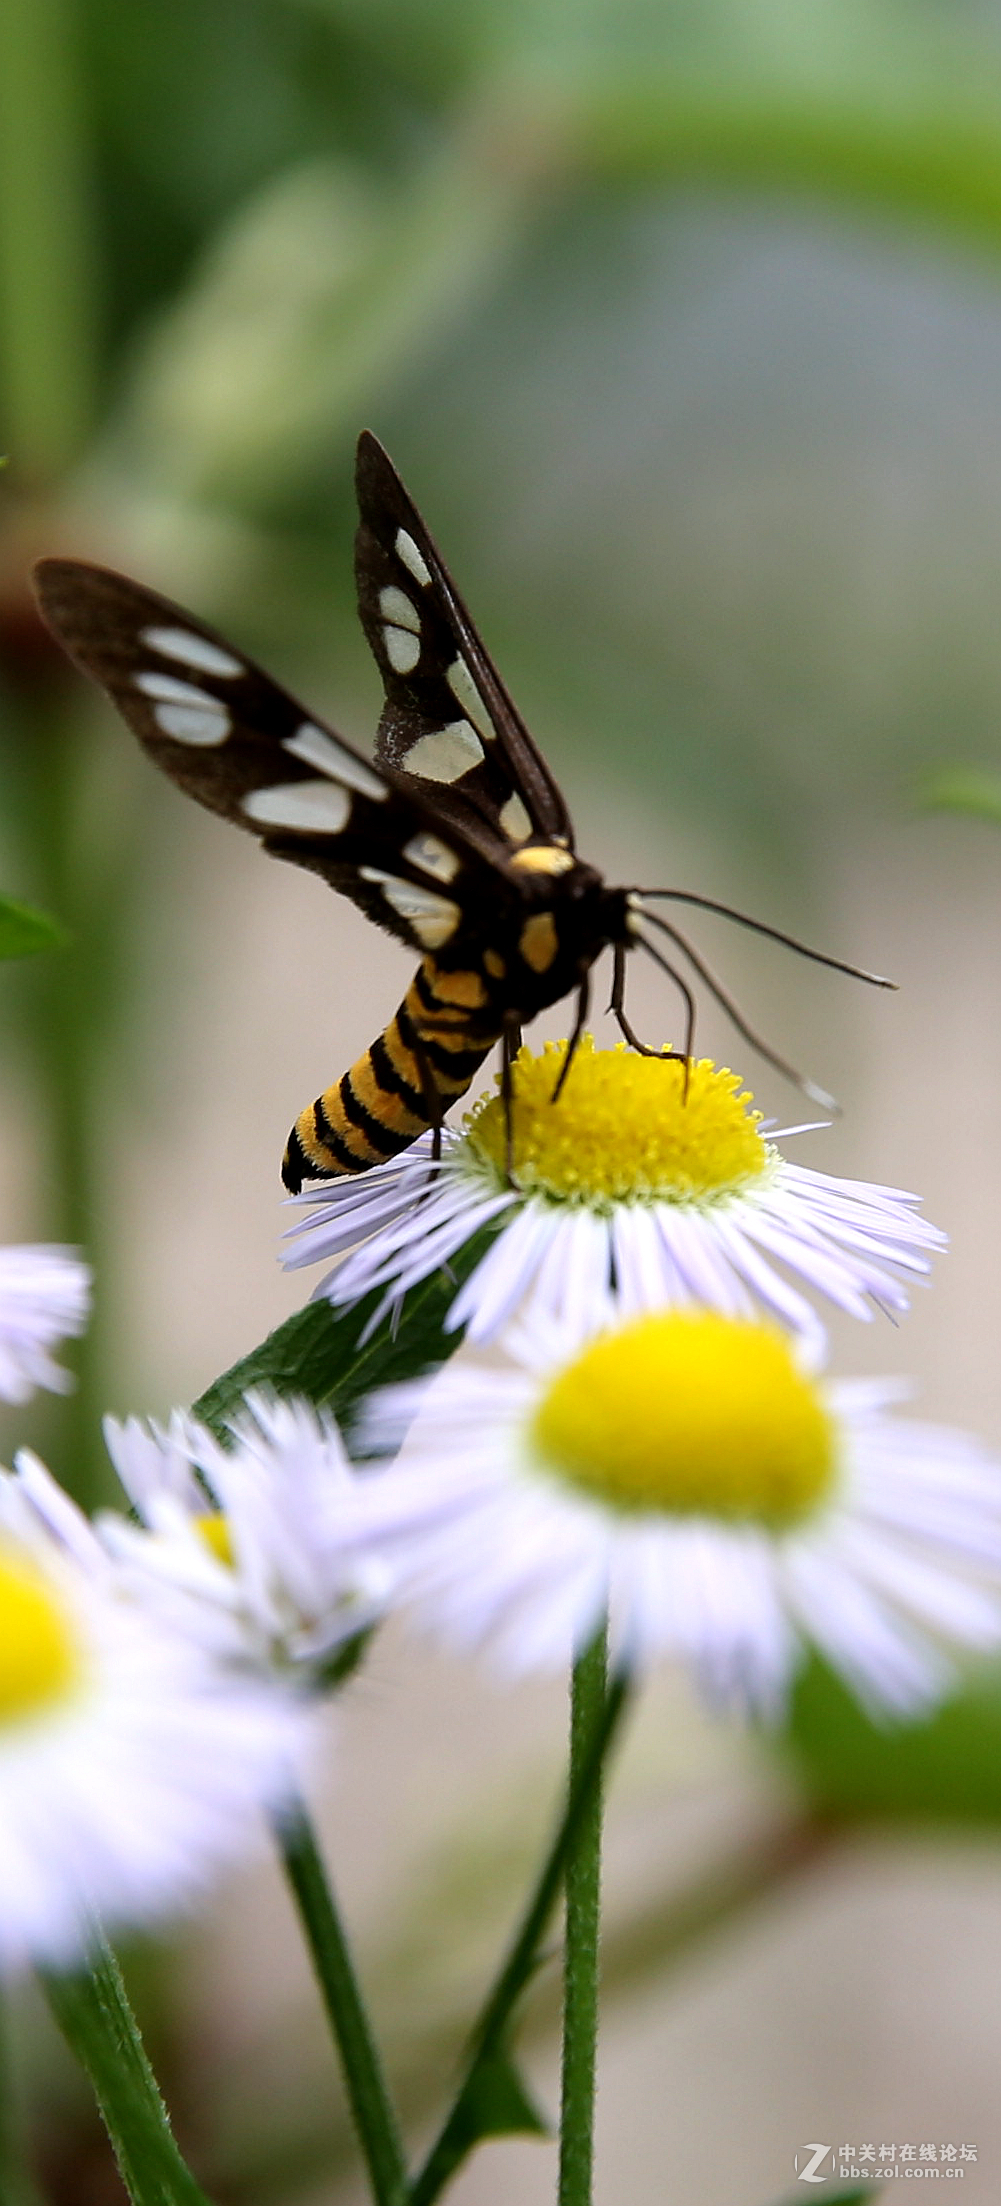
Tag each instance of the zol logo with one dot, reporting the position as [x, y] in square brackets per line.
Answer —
[808, 2162]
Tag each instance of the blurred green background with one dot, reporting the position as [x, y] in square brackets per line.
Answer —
[683, 325]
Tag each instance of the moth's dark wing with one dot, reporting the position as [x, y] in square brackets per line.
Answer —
[448, 718]
[233, 738]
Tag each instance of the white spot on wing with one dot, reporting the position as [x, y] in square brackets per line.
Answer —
[514, 819]
[191, 650]
[463, 688]
[200, 724]
[411, 557]
[435, 930]
[433, 918]
[395, 605]
[176, 692]
[306, 807]
[446, 754]
[433, 856]
[317, 748]
[402, 649]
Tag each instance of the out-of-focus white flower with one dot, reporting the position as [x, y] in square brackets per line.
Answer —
[686, 1473]
[639, 1187]
[245, 1545]
[133, 1767]
[44, 1298]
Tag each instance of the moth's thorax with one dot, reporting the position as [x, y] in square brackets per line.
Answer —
[548, 873]
[545, 861]
[535, 945]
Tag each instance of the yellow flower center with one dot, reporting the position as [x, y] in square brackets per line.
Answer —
[624, 1130]
[40, 1656]
[213, 1528]
[689, 1414]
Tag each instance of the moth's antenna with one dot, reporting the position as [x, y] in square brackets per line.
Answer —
[759, 926]
[754, 1040]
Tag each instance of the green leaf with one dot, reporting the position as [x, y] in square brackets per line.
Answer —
[848, 136]
[946, 1768]
[963, 789]
[496, 2103]
[320, 1352]
[23, 931]
[363, 285]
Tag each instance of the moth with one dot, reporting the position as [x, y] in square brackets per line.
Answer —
[456, 838]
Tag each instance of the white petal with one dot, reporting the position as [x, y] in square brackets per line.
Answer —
[501, 1281]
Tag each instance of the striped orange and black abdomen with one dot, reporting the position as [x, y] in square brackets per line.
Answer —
[426, 1057]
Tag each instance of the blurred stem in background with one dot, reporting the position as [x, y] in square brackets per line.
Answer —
[48, 343]
[16, 2187]
[75, 1005]
[49, 267]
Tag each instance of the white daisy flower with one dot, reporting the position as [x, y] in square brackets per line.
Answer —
[637, 1184]
[44, 1298]
[244, 1544]
[686, 1472]
[132, 1766]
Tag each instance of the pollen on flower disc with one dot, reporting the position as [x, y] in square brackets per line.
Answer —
[689, 1413]
[626, 1128]
[214, 1528]
[39, 1658]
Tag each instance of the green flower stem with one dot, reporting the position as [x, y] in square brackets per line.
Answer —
[459, 2133]
[368, 2096]
[95, 2017]
[580, 1963]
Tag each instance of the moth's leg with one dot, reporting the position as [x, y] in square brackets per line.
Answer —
[510, 1045]
[580, 1022]
[434, 1102]
[617, 1007]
